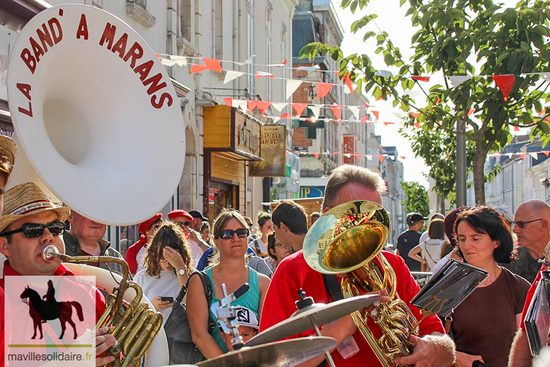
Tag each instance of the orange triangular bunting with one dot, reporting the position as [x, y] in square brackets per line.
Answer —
[323, 89]
[505, 84]
[420, 78]
[228, 101]
[252, 104]
[381, 158]
[336, 110]
[197, 68]
[299, 107]
[376, 114]
[213, 64]
[263, 105]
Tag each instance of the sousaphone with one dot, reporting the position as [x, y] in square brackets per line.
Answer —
[98, 119]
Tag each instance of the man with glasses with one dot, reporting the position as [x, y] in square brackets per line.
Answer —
[86, 239]
[532, 228]
[196, 243]
[31, 221]
[531, 225]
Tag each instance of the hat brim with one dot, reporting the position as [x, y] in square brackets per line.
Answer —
[6, 220]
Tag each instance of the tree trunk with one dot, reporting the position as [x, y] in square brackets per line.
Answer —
[442, 204]
[479, 174]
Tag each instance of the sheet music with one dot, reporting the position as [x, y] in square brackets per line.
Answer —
[448, 288]
[537, 318]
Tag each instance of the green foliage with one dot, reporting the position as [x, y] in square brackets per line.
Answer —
[416, 198]
[451, 34]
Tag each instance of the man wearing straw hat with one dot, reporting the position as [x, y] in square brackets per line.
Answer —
[30, 221]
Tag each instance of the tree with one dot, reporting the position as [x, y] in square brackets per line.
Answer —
[510, 45]
[416, 198]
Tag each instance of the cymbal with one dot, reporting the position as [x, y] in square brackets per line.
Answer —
[283, 353]
[320, 313]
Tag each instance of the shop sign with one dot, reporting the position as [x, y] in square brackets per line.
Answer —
[247, 134]
[349, 149]
[273, 153]
[312, 191]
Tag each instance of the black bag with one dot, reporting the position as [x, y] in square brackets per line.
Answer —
[180, 344]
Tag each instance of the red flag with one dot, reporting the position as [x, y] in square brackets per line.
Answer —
[284, 116]
[228, 101]
[316, 155]
[213, 64]
[417, 125]
[414, 114]
[347, 81]
[252, 104]
[376, 114]
[365, 119]
[336, 110]
[505, 83]
[263, 105]
[402, 157]
[197, 68]
[388, 123]
[358, 156]
[546, 152]
[299, 107]
[516, 128]
[471, 111]
[381, 158]
[323, 89]
[522, 155]
[420, 78]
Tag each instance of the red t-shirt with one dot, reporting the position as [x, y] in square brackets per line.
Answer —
[131, 255]
[530, 295]
[293, 273]
[62, 270]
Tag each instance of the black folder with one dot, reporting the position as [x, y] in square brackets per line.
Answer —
[537, 318]
[448, 287]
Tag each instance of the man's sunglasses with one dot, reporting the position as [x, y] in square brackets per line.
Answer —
[227, 234]
[33, 230]
[183, 224]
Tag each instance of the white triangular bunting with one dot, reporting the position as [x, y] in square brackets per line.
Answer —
[315, 110]
[279, 106]
[240, 103]
[232, 75]
[534, 155]
[291, 86]
[355, 111]
[180, 60]
[457, 79]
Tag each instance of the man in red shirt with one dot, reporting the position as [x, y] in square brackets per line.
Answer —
[31, 221]
[431, 348]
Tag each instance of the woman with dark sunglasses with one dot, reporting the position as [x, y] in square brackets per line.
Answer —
[229, 236]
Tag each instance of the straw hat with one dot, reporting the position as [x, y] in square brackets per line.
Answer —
[27, 199]
[8, 149]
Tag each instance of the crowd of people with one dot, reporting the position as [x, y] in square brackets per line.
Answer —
[486, 328]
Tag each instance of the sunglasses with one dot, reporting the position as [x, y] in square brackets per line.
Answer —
[227, 234]
[33, 230]
[183, 224]
[521, 224]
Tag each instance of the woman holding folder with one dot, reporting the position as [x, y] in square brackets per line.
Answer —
[484, 324]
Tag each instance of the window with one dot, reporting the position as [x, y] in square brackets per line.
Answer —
[218, 29]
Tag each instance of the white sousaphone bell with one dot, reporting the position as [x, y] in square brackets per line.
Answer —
[96, 115]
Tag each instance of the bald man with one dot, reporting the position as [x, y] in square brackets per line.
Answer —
[532, 227]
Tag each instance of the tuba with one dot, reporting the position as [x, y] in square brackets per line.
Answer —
[348, 239]
[94, 112]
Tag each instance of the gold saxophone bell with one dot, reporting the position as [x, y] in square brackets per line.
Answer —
[133, 324]
[348, 239]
